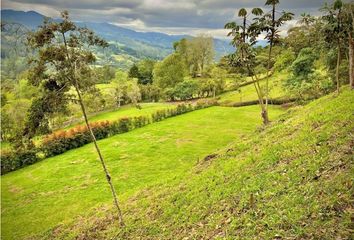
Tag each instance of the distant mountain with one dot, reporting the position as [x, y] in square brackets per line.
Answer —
[126, 45]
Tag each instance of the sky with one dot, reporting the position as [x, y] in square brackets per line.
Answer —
[190, 17]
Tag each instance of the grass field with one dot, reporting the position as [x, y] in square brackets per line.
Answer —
[248, 93]
[126, 111]
[291, 180]
[58, 189]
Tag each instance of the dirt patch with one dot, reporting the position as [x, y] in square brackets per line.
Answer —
[181, 142]
[15, 189]
[210, 157]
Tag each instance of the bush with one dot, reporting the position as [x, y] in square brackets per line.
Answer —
[140, 121]
[13, 160]
[204, 103]
[121, 126]
[63, 141]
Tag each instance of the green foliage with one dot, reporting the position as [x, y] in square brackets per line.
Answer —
[13, 116]
[133, 91]
[284, 60]
[196, 53]
[247, 93]
[15, 159]
[134, 72]
[63, 141]
[302, 67]
[65, 50]
[143, 71]
[94, 100]
[185, 90]
[104, 74]
[41, 109]
[150, 92]
[146, 68]
[306, 82]
[170, 71]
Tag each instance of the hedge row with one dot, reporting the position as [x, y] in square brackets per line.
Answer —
[13, 160]
[62, 141]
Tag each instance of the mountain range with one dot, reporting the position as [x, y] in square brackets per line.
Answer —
[126, 45]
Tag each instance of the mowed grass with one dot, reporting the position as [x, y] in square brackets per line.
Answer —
[248, 93]
[290, 180]
[126, 111]
[54, 191]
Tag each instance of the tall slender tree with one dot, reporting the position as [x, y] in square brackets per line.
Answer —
[244, 37]
[270, 23]
[334, 26]
[63, 61]
[348, 23]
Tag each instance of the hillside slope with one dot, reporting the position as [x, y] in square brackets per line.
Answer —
[292, 180]
[58, 190]
[247, 93]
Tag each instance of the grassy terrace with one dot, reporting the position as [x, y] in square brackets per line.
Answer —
[248, 93]
[126, 111]
[58, 189]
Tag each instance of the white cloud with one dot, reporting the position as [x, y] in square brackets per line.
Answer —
[170, 16]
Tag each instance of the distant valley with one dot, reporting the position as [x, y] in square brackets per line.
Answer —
[126, 46]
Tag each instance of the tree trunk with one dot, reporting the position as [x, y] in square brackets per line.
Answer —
[119, 99]
[265, 116]
[269, 64]
[337, 70]
[351, 62]
[264, 112]
[108, 177]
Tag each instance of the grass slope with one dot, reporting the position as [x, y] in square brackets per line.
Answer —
[54, 191]
[248, 93]
[126, 111]
[292, 180]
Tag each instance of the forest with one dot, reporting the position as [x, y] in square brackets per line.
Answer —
[102, 139]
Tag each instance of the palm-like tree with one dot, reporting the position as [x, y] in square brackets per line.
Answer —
[306, 19]
[270, 24]
[244, 37]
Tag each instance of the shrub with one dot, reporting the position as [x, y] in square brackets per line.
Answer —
[13, 160]
[140, 121]
[204, 103]
[63, 141]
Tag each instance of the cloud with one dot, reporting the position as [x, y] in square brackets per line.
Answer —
[170, 16]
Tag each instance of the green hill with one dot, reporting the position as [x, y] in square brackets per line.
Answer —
[292, 180]
[57, 190]
[202, 175]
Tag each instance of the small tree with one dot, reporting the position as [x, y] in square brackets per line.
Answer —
[348, 16]
[270, 24]
[63, 61]
[133, 91]
[338, 29]
[170, 71]
[244, 37]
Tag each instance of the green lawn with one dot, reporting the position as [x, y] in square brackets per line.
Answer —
[291, 180]
[126, 111]
[58, 189]
[248, 93]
